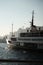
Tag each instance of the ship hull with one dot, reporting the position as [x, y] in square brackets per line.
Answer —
[25, 45]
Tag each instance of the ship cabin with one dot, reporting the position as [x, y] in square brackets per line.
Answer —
[32, 33]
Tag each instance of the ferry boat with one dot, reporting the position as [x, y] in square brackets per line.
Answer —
[29, 38]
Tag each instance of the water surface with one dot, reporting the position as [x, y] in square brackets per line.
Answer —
[7, 53]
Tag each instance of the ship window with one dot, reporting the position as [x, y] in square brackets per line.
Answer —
[37, 39]
[27, 30]
[31, 34]
[22, 34]
[24, 39]
[13, 39]
[41, 34]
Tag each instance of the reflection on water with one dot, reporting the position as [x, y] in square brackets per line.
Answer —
[18, 54]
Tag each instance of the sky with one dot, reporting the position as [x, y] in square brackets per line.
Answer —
[19, 12]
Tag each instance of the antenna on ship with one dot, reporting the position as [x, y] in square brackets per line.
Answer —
[32, 18]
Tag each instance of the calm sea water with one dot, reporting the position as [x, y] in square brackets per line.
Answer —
[18, 54]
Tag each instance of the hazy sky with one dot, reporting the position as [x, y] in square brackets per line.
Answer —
[19, 12]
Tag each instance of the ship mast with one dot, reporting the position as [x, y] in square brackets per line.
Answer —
[32, 18]
[12, 29]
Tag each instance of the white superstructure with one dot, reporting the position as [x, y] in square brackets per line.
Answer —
[30, 37]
